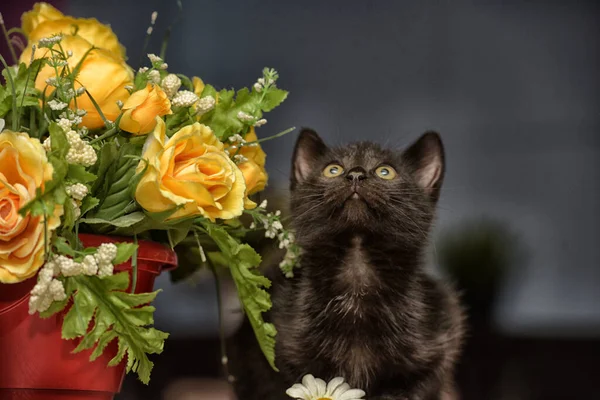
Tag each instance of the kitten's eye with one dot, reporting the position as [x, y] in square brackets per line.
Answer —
[333, 170]
[386, 172]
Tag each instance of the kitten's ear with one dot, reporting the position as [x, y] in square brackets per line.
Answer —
[426, 160]
[309, 147]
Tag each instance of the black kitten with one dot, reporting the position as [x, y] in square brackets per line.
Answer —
[360, 305]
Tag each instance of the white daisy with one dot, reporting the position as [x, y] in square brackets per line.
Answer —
[313, 388]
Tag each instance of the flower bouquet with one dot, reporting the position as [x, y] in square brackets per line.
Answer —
[103, 171]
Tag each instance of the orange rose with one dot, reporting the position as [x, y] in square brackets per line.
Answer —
[142, 108]
[23, 169]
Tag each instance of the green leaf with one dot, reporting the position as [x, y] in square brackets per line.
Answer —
[69, 215]
[177, 119]
[78, 173]
[179, 233]
[63, 246]
[243, 260]
[124, 252]
[115, 194]
[24, 81]
[113, 315]
[88, 204]
[121, 222]
[273, 98]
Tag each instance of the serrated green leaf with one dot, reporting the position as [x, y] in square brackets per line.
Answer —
[124, 252]
[78, 173]
[242, 261]
[77, 320]
[115, 316]
[273, 98]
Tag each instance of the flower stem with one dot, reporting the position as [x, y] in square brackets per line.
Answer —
[109, 133]
[224, 359]
[14, 94]
[8, 42]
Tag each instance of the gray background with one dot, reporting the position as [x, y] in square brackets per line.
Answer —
[512, 86]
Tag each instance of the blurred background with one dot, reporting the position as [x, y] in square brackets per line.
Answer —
[514, 89]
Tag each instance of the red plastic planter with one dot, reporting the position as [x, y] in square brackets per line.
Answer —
[37, 364]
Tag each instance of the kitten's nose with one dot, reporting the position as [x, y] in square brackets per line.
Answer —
[356, 174]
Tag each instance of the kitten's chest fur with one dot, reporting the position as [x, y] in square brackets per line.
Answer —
[352, 322]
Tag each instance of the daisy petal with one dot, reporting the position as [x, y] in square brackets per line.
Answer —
[321, 387]
[309, 382]
[333, 385]
[354, 394]
[343, 388]
[299, 391]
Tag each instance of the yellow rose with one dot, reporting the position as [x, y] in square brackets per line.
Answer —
[23, 169]
[198, 85]
[142, 108]
[45, 21]
[41, 12]
[253, 168]
[102, 74]
[189, 170]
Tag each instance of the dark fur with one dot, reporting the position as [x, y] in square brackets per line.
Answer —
[360, 305]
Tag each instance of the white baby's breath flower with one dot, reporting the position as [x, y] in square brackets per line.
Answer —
[154, 58]
[142, 70]
[50, 41]
[76, 209]
[184, 98]
[106, 269]
[236, 138]
[90, 266]
[258, 87]
[129, 88]
[205, 104]
[171, 84]
[57, 105]
[51, 82]
[263, 204]
[80, 91]
[238, 159]
[68, 267]
[65, 124]
[77, 191]
[253, 225]
[69, 53]
[313, 388]
[45, 292]
[163, 66]
[47, 144]
[245, 117]
[154, 76]
[106, 253]
[119, 104]
[260, 122]
[2, 124]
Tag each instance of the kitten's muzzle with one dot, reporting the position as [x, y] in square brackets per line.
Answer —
[356, 174]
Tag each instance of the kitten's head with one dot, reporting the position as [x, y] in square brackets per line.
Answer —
[363, 187]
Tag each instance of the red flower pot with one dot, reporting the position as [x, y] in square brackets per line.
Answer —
[37, 364]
